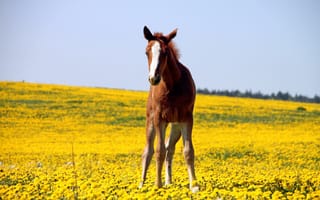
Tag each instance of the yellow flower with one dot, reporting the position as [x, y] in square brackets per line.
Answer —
[89, 142]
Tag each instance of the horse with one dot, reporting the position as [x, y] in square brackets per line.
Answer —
[170, 101]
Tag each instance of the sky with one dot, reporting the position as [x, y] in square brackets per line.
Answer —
[265, 46]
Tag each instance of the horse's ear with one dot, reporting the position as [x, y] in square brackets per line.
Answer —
[147, 33]
[171, 35]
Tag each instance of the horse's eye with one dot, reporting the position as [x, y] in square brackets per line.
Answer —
[146, 53]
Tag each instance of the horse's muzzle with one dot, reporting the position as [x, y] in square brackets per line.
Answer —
[155, 80]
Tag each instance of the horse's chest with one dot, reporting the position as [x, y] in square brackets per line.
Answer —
[172, 109]
[170, 114]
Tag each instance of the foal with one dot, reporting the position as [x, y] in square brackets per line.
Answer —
[171, 100]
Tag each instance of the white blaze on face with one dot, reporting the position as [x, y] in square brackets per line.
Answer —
[155, 50]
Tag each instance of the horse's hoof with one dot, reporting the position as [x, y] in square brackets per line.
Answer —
[195, 189]
[158, 185]
[140, 185]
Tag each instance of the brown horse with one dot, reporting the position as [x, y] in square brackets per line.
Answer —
[171, 100]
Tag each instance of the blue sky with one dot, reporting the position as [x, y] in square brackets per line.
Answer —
[262, 46]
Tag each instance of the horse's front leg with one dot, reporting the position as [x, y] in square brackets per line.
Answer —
[160, 151]
[148, 150]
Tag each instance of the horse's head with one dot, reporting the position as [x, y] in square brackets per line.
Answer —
[157, 52]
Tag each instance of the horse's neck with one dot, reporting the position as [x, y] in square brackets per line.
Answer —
[173, 73]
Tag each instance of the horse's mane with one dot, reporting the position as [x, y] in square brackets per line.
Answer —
[171, 45]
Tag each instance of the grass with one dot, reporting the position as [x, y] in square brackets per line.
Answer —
[61, 142]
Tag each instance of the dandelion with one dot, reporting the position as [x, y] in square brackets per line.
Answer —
[245, 148]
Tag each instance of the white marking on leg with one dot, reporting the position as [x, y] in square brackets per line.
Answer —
[155, 50]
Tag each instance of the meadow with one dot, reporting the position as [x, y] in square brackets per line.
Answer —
[62, 142]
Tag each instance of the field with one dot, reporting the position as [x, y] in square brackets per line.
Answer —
[61, 142]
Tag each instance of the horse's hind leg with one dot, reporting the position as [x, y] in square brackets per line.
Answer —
[148, 151]
[174, 136]
[188, 152]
